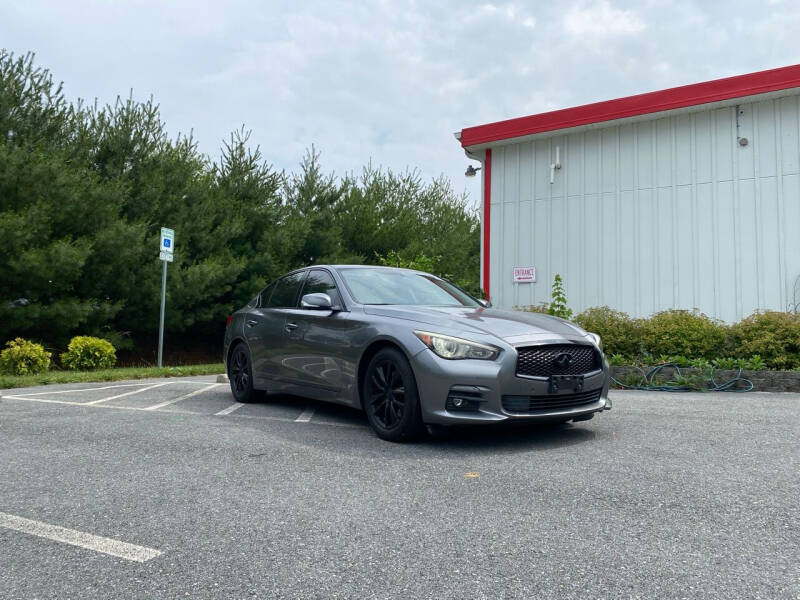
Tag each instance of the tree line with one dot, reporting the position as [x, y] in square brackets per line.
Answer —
[84, 190]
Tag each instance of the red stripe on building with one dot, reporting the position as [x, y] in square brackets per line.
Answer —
[642, 104]
[487, 217]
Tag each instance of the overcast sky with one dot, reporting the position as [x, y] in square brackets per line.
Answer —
[387, 81]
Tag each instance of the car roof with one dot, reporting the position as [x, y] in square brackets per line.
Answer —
[339, 267]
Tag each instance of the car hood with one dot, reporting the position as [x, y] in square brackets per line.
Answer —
[504, 324]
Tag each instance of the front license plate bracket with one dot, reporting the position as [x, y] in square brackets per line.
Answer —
[564, 383]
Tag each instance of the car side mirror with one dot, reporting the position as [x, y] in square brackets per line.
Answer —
[317, 301]
[485, 303]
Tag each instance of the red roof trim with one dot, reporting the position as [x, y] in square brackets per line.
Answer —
[631, 106]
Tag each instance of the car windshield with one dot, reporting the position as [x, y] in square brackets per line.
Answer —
[387, 286]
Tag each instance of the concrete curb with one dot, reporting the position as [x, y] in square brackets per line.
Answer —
[222, 379]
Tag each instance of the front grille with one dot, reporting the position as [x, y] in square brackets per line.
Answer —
[528, 404]
[542, 361]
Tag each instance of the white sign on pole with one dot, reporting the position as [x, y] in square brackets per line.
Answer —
[166, 250]
[167, 243]
[524, 274]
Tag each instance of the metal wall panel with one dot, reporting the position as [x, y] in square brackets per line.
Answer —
[663, 213]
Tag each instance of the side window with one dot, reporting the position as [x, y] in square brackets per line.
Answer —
[284, 292]
[322, 282]
[262, 299]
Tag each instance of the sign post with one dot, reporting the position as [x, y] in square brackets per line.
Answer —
[166, 251]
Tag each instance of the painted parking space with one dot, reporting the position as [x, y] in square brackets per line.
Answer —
[156, 395]
[195, 396]
[333, 414]
[278, 406]
[82, 394]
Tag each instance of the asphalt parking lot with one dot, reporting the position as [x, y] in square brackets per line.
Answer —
[169, 489]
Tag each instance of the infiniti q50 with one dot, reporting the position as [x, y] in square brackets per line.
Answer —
[411, 349]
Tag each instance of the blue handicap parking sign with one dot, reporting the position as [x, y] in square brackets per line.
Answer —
[167, 242]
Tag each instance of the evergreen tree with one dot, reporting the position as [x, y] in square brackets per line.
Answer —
[84, 192]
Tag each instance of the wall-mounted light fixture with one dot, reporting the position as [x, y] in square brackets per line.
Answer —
[555, 165]
[471, 171]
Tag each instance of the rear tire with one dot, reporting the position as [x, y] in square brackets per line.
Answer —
[391, 399]
[240, 374]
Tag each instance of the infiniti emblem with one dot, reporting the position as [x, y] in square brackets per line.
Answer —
[563, 361]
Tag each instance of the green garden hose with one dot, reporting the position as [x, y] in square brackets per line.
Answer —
[648, 382]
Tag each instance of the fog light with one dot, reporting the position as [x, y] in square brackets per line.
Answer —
[464, 398]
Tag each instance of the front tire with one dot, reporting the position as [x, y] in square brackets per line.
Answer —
[391, 398]
[240, 374]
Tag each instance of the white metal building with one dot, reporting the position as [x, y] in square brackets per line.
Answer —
[683, 198]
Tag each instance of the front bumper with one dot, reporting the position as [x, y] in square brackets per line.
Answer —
[490, 381]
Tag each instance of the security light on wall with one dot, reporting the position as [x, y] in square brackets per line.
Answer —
[555, 165]
[471, 171]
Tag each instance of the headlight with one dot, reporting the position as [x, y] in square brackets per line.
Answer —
[596, 339]
[455, 348]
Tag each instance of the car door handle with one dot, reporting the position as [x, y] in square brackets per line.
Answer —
[291, 326]
[252, 323]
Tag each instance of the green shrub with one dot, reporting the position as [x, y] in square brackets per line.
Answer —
[23, 357]
[764, 340]
[729, 364]
[773, 336]
[619, 332]
[683, 333]
[674, 359]
[89, 353]
[618, 360]
[558, 305]
[700, 363]
[679, 360]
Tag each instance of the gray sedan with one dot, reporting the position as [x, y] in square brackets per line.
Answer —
[412, 350]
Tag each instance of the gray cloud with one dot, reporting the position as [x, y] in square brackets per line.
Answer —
[387, 81]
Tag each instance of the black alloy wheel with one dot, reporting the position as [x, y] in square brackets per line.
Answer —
[388, 395]
[240, 374]
[391, 400]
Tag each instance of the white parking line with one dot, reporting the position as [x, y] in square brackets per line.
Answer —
[184, 397]
[144, 382]
[105, 387]
[78, 538]
[29, 399]
[152, 387]
[306, 415]
[230, 409]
